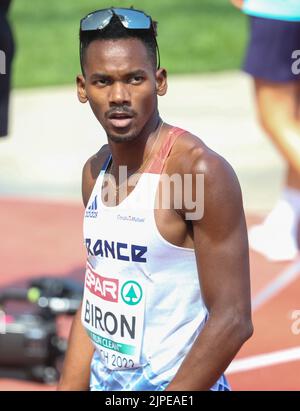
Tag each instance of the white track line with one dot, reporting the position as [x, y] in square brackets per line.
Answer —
[277, 357]
[264, 360]
[275, 286]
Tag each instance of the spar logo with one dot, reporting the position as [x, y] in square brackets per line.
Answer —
[103, 287]
[108, 288]
[131, 293]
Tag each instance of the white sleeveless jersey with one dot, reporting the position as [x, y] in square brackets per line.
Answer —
[142, 305]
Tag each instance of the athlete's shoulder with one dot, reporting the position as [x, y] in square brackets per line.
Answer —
[94, 164]
[91, 170]
[191, 155]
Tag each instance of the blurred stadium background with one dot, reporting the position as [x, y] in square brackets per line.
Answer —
[194, 36]
[202, 44]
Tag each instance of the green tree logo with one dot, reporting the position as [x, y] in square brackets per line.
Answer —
[131, 293]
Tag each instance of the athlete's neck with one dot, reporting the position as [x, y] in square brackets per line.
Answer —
[133, 153]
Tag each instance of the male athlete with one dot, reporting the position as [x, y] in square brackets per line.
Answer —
[166, 304]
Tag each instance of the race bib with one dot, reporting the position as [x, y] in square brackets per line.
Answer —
[113, 312]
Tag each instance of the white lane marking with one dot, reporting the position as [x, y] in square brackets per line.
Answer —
[274, 287]
[285, 278]
[264, 360]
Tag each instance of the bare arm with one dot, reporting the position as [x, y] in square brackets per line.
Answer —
[221, 249]
[237, 3]
[76, 371]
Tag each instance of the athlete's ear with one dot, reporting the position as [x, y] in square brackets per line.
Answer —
[81, 92]
[161, 82]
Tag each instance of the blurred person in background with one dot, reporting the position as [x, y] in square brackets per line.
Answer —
[6, 47]
[274, 37]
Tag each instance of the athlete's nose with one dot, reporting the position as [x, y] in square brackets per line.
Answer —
[119, 94]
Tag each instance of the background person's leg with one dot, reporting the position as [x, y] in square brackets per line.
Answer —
[298, 102]
[278, 108]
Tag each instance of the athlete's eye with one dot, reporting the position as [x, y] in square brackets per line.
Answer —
[101, 82]
[136, 79]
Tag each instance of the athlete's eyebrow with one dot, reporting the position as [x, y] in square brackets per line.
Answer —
[105, 76]
[95, 76]
[138, 72]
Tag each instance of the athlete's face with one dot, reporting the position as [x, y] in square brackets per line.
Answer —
[121, 86]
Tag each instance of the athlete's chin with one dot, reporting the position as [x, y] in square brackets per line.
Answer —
[121, 136]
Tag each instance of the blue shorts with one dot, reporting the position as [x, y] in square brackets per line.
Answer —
[270, 48]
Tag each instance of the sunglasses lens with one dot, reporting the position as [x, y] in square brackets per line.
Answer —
[97, 20]
[132, 19]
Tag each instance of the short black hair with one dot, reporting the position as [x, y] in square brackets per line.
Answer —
[115, 31]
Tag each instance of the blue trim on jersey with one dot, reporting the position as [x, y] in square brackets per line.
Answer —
[107, 161]
[138, 379]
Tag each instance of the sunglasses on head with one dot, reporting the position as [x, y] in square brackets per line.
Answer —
[131, 19]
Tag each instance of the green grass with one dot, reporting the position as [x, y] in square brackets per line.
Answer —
[195, 36]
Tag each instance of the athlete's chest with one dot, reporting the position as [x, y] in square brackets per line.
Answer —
[150, 203]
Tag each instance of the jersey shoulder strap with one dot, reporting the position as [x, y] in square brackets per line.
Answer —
[159, 159]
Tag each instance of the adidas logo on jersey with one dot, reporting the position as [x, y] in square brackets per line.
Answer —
[91, 211]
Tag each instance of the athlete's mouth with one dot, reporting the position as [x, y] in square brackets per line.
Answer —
[120, 114]
[120, 119]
